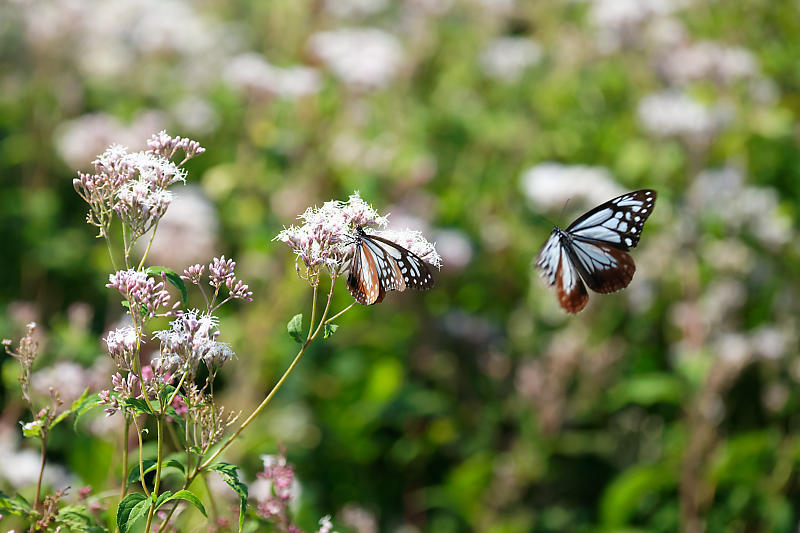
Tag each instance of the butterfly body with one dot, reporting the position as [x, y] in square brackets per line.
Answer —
[380, 265]
[594, 249]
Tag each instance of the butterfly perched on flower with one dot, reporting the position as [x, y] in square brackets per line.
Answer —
[593, 249]
[380, 265]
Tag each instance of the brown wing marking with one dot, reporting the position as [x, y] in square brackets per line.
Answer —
[604, 268]
[572, 297]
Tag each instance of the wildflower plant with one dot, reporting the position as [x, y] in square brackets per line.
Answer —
[172, 390]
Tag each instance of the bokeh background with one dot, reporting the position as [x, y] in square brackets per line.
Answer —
[479, 406]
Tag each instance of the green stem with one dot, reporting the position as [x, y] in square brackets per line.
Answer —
[159, 460]
[275, 389]
[340, 313]
[149, 243]
[41, 473]
[125, 432]
[141, 458]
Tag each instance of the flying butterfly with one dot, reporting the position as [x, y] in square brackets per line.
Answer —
[593, 249]
[379, 265]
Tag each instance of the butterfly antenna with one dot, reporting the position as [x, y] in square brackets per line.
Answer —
[563, 209]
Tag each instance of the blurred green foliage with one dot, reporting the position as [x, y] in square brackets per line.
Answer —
[479, 405]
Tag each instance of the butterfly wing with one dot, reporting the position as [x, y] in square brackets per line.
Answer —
[411, 270]
[389, 274]
[557, 269]
[362, 281]
[618, 222]
[604, 268]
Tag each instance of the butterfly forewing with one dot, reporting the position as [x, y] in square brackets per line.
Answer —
[414, 271]
[593, 249]
[617, 222]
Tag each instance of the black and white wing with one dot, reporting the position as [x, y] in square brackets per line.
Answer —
[557, 270]
[411, 269]
[618, 222]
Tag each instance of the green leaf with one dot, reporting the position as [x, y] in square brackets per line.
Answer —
[16, 505]
[132, 508]
[329, 330]
[148, 465]
[79, 407]
[172, 277]
[138, 405]
[75, 405]
[230, 474]
[164, 395]
[183, 495]
[77, 518]
[295, 327]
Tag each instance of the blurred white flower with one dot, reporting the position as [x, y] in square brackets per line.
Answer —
[733, 348]
[771, 342]
[79, 140]
[721, 193]
[20, 468]
[672, 113]
[666, 33]
[619, 22]
[455, 248]
[252, 72]
[354, 8]
[68, 378]
[358, 518]
[363, 58]
[707, 60]
[549, 185]
[195, 115]
[187, 233]
[497, 7]
[507, 58]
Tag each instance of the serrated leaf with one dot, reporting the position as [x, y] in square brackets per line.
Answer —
[172, 277]
[16, 505]
[329, 330]
[132, 508]
[138, 405]
[230, 475]
[183, 495]
[295, 327]
[77, 518]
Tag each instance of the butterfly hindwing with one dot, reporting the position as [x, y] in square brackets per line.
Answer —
[604, 268]
[362, 281]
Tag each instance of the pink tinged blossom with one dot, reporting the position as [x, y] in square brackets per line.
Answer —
[220, 270]
[192, 339]
[194, 273]
[253, 73]
[166, 146]
[140, 290]
[180, 405]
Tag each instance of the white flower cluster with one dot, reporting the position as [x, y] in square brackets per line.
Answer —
[191, 339]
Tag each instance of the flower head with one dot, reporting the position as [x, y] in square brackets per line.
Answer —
[192, 339]
[140, 289]
[326, 235]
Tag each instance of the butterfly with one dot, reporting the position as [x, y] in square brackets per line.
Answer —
[379, 265]
[593, 249]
